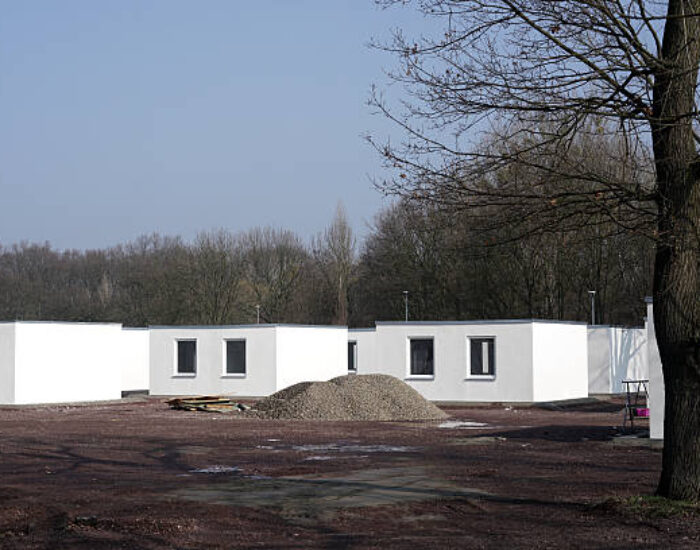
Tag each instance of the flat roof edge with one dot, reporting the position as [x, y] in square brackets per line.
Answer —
[43, 322]
[261, 325]
[482, 322]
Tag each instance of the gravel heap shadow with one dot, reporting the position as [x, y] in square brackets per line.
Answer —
[352, 397]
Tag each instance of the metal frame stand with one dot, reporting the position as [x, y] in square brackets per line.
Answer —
[635, 392]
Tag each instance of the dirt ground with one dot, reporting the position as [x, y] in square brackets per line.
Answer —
[136, 474]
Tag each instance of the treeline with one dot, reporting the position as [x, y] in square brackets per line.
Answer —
[449, 270]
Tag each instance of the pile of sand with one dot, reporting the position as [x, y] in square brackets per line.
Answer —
[353, 397]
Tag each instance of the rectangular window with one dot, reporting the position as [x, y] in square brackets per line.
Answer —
[482, 360]
[186, 356]
[235, 356]
[352, 356]
[421, 351]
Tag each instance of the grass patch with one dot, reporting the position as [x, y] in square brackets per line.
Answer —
[650, 506]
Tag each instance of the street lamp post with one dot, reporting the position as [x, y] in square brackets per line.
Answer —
[257, 309]
[591, 293]
[405, 301]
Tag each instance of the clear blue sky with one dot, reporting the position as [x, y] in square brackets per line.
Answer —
[119, 118]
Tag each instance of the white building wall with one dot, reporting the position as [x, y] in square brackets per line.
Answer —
[210, 378]
[135, 359]
[657, 390]
[615, 354]
[560, 361]
[451, 382]
[310, 354]
[61, 362]
[599, 360]
[629, 356]
[366, 348]
[7, 363]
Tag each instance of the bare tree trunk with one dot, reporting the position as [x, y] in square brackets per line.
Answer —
[677, 269]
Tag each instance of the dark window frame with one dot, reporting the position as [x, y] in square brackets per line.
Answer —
[476, 367]
[227, 356]
[426, 370]
[181, 347]
[352, 344]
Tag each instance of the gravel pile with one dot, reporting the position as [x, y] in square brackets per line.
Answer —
[353, 397]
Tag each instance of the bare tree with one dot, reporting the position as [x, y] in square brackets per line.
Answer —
[334, 257]
[543, 77]
[215, 274]
[153, 281]
[274, 261]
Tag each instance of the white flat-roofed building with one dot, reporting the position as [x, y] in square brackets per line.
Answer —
[479, 361]
[55, 362]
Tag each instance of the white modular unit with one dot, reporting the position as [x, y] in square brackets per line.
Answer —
[135, 359]
[615, 354]
[247, 361]
[53, 362]
[657, 390]
[480, 361]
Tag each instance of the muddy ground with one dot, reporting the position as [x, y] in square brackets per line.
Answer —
[135, 474]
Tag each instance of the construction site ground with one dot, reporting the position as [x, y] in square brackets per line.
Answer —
[136, 474]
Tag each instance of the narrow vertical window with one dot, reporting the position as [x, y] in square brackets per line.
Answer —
[482, 360]
[187, 357]
[235, 357]
[352, 356]
[421, 351]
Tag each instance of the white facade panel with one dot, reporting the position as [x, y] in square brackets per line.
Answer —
[135, 359]
[657, 390]
[210, 376]
[560, 361]
[452, 380]
[7, 363]
[62, 362]
[310, 354]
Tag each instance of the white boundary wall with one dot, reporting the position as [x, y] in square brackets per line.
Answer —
[657, 395]
[62, 362]
[599, 360]
[534, 360]
[615, 354]
[135, 359]
[276, 356]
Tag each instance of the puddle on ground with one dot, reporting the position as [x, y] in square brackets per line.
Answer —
[329, 457]
[463, 425]
[311, 497]
[348, 448]
[479, 440]
[217, 469]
